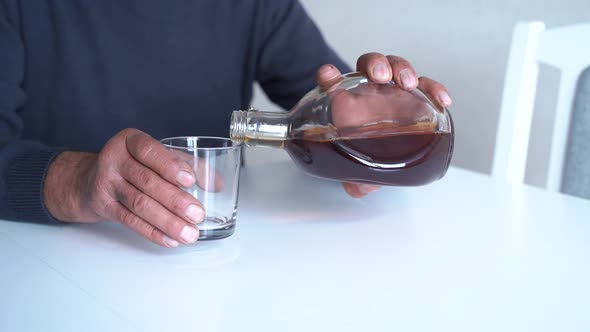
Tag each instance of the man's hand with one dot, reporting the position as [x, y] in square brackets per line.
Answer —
[382, 69]
[133, 180]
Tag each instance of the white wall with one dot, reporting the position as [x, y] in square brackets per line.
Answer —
[461, 43]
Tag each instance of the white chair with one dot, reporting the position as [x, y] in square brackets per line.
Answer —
[566, 48]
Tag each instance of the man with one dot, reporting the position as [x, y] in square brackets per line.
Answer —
[75, 73]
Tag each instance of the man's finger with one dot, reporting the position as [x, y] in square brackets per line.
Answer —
[327, 76]
[208, 178]
[358, 190]
[375, 66]
[169, 195]
[118, 212]
[403, 72]
[156, 156]
[155, 214]
[436, 91]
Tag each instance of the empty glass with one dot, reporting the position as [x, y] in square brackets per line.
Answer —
[216, 163]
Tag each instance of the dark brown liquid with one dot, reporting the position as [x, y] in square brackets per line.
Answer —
[398, 159]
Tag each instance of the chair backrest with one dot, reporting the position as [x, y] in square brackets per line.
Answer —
[565, 48]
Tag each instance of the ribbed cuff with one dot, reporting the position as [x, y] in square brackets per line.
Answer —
[25, 179]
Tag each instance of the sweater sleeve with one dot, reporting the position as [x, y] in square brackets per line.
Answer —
[292, 50]
[23, 164]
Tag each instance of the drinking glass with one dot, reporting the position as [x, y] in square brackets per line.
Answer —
[216, 164]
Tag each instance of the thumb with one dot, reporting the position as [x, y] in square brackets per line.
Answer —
[358, 190]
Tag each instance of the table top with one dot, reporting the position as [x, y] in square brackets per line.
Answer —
[467, 253]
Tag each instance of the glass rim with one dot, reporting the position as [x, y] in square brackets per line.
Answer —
[233, 145]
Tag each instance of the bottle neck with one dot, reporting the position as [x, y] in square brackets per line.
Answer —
[258, 128]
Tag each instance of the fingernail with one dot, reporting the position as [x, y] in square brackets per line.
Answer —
[327, 72]
[185, 179]
[444, 99]
[381, 72]
[195, 213]
[189, 234]
[407, 78]
[367, 188]
[326, 69]
[170, 243]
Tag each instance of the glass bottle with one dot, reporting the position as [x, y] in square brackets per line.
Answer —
[357, 131]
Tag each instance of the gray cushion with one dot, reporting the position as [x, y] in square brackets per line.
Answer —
[576, 174]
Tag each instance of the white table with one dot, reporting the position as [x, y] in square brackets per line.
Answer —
[467, 253]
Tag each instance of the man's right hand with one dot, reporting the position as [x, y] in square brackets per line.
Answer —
[133, 180]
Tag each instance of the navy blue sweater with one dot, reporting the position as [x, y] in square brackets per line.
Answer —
[75, 72]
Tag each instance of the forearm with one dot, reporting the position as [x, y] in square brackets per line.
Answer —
[65, 191]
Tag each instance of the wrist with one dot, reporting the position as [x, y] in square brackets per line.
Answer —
[65, 187]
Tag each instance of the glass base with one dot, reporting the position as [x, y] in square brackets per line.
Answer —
[215, 228]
